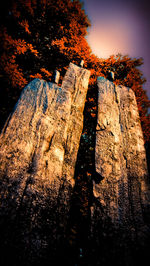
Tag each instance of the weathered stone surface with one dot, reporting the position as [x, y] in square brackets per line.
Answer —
[78, 91]
[56, 76]
[38, 150]
[122, 193]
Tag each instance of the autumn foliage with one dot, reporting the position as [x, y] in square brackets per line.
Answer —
[40, 36]
[127, 73]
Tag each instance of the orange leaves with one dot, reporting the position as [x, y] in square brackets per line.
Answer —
[60, 44]
[91, 100]
[94, 108]
[51, 34]
[19, 46]
[8, 60]
[36, 76]
[22, 47]
[126, 74]
[25, 25]
[93, 115]
[15, 74]
[46, 73]
[88, 174]
[12, 49]
[30, 47]
[8, 42]
[71, 41]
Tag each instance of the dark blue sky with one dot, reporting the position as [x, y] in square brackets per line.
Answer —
[120, 27]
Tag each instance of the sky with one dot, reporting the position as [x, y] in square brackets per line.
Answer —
[119, 26]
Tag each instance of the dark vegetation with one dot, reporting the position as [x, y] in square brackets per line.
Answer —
[38, 37]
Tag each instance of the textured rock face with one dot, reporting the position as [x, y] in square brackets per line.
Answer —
[122, 191]
[38, 150]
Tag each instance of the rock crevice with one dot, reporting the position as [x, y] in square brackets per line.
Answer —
[39, 194]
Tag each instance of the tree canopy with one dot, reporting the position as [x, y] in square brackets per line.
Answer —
[40, 36]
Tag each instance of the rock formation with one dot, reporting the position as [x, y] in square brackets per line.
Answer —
[121, 193]
[38, 150]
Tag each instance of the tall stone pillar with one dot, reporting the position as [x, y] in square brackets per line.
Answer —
[38, 150]
[121, 195]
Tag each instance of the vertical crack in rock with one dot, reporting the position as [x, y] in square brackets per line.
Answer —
[82, 197]
[75, 124]
[120, 159]
[37, 161]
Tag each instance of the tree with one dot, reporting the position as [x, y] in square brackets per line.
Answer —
[127, 73]
[40, 36]
[36, 38]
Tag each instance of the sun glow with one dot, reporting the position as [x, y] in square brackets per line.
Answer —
[115, 33]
